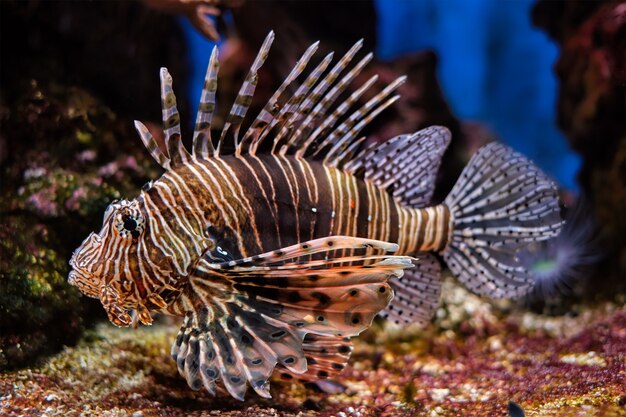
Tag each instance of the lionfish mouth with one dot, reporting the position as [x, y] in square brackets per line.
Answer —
[84, 281]
[71, 278]
[79, 276]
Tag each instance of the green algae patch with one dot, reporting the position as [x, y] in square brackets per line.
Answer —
[36, 305]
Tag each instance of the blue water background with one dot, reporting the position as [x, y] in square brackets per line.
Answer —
[494, 68]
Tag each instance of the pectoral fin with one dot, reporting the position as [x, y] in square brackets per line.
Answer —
[244, 317]
[326, 357]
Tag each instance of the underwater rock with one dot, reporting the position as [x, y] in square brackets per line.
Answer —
[94, 46]
[37, 307]
[65, 153]
[592, 75]
[64, 159]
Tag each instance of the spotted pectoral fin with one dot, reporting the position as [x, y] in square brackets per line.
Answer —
[239, 348]
[416, 293]
[224, 341]
[245, 317]
[326, 357]
[335, 296]
[295, 253]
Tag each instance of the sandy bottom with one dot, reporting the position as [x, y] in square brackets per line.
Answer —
[472, 361]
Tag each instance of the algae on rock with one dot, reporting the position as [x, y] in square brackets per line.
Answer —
[64, 162]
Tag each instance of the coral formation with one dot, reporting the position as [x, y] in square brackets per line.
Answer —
[591, 106]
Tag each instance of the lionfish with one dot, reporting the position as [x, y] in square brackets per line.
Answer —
[274, 245]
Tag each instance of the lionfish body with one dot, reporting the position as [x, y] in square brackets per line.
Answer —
[276, 258]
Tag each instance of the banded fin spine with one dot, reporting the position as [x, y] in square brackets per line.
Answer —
[151, 145]
[244, 98]
[346, 132]
[303, 123]
[321, 100]
[304, 109]
[280, 113]
[291, 112]
[501, 203]
[171, 121]
[202, 143]
[271, 108]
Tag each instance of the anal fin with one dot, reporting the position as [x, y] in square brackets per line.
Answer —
[416, 293]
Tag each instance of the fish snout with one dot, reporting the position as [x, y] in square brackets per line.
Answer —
[86, 282]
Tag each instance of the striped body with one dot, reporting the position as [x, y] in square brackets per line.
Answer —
[271, 202]
[276, 254]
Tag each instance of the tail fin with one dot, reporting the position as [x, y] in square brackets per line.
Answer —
[501, 203]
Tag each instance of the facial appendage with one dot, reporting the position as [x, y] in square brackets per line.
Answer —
[106, 265]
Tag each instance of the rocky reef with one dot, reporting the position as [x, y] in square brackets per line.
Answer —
[66, 152]
[56, 181]
[591, 108]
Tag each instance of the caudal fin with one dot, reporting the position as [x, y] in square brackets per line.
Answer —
[501, 203]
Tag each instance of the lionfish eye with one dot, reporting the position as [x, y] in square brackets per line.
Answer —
[130, 224]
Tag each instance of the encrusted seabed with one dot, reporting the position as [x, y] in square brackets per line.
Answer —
[471, 362]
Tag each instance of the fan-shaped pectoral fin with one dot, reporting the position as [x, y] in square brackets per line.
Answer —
[245, 317]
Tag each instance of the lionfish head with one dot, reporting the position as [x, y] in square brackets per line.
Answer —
[102, 266]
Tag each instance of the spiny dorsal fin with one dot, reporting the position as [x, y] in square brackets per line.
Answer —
[349, 152]
[306, 106]
[306, 124]
[271, 109]
[202, 144]
[293, 110]
[306, 110]
[171, 121]
[345, 133]
[319, 93]
[330, 119]
[244, 98]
